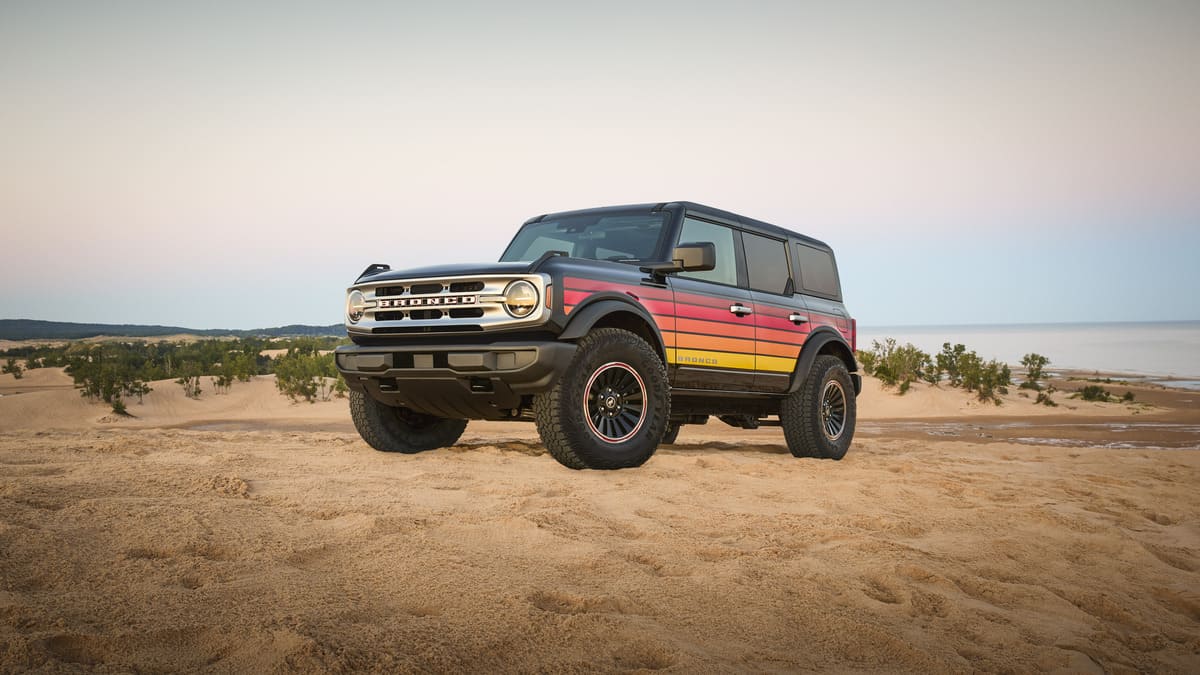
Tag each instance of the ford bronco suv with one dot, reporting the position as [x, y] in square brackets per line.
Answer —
[610, 328]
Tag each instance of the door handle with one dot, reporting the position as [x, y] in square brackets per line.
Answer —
[797, 318]
[740, 310]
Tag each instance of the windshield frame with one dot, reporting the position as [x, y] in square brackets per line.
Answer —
[666, 230]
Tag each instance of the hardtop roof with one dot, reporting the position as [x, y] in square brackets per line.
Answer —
[699, 209]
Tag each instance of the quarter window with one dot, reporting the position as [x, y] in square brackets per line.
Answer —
[766, 263]
[818, 275]
[699, 231]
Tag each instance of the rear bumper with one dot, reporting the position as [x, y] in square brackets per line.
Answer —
[477, 381]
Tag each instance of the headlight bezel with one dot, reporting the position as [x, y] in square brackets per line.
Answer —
[356, 306]
[522, 294]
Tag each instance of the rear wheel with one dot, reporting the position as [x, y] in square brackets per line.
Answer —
[394, 429]
[818, 419]
[609, 409]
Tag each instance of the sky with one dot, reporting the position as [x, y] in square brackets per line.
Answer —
[236, 165]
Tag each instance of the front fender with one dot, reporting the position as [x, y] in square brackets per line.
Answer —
[584, 317]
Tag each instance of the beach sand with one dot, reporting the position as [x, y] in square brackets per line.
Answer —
[243, 532]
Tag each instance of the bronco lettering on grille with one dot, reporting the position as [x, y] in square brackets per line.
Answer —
[429, 302]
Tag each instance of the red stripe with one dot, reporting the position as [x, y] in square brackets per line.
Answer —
[579, 283]
[714, 328]
[717, 314]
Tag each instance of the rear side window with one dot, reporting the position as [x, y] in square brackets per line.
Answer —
[818, 275]
[721, 237]
[766, 263]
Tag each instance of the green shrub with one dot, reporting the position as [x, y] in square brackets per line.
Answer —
[118, 407]
[1128, 397]
[1043, 398]
[895, 366]
[1094, 392]
[1034, 365]
[305, 373]
[948, 362]
[12, 367]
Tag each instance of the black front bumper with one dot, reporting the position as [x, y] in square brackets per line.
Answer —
[477, 381]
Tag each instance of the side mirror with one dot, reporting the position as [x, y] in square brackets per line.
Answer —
[690, 257]
[695, 257]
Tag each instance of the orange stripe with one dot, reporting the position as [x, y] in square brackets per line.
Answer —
[721, 344]
[773, 349]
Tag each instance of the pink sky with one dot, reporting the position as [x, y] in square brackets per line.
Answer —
[235, 167]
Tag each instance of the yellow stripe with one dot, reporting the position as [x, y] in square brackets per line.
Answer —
[775, 364]
[703, 358]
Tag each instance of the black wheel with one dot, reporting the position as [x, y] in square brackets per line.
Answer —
[818, 419]
[392, 429]
[609, 409]
[671, 433]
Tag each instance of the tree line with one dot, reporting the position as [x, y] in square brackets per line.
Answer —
[116, 372]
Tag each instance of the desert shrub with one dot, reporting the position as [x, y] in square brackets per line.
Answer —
[866, 360]
[12, 367]
[1094, 392]
[948, 362]
[1034, 365]
[1043, 397]
[1128, 397]
[118, 407]
[897, 366]
[305, 373]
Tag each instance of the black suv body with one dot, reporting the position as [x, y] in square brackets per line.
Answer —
[610, 328]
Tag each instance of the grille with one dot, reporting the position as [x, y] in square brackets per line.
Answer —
[427, 289]
[443, 305]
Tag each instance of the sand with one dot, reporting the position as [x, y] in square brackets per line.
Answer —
[246, 533]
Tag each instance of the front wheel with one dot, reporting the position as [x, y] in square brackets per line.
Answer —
[609, 409]
[818, 419]
[394, 429]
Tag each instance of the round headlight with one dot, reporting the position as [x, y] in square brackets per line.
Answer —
[356, 305]
[520, 298]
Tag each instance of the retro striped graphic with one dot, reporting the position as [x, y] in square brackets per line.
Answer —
[697, 330]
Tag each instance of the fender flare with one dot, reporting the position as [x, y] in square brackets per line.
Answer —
[816, 341]
[600, 305]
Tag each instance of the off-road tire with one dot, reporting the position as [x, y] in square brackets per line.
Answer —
[391, 429]
[804, 425]
[671, 433]
[563, 421]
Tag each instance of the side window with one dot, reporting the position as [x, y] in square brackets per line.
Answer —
[817, 272]
[698, 231]
[766, 263]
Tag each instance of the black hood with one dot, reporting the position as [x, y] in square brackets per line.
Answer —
[455, 270]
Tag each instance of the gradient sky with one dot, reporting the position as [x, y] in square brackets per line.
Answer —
[236, 165]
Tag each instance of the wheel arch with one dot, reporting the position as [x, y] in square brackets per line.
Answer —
[615, 311]
[822, 341]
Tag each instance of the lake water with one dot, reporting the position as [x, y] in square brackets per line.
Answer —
[1169, 349]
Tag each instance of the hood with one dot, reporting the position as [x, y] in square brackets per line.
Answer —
[455, 270]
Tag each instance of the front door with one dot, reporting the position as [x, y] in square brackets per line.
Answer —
[714, 317]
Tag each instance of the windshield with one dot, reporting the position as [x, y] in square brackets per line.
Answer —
[617, 237]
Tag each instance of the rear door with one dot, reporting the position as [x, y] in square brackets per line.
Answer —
[714, 315]
[781, 322]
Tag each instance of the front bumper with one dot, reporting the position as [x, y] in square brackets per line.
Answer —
[477, 381]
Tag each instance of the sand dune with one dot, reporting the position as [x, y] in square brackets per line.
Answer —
[245, 533]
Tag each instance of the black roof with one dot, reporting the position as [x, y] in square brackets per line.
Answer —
[693, 207]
